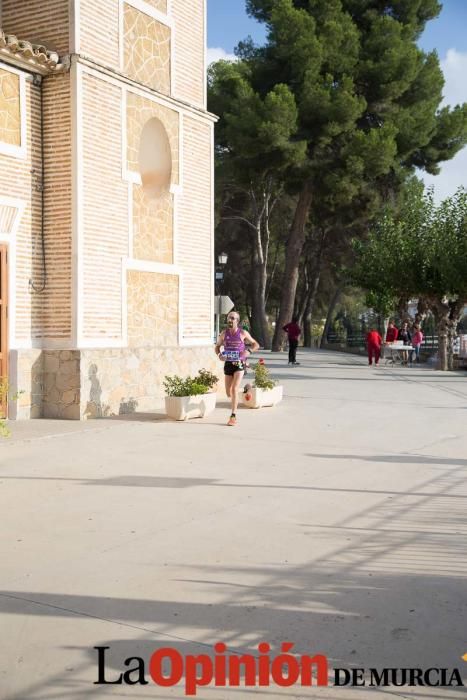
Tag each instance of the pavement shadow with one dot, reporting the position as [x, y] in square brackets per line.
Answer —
[140, 417]
[376, 588]
[397, 459]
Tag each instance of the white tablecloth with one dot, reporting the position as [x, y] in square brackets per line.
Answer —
[396, 352]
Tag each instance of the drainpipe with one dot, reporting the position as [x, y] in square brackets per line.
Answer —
[38, 82]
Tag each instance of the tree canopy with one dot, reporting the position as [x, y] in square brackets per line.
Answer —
[418, 252]
[340, 106]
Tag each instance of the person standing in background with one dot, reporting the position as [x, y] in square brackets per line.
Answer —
[373, 346]
[392, 332]
[417, 340]
[293, 331]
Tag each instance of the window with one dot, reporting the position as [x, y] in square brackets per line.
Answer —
[12, 112]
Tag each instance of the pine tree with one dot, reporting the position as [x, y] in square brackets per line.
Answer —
[367, 101]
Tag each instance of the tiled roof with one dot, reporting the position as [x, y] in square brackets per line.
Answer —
[34, 54]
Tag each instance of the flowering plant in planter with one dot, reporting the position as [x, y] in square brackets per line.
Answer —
[190, 397]
[262, 378]
[264, 391]
[176, 386]
[207, 378]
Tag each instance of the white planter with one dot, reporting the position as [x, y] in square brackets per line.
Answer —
[257, 398]
[185, 407]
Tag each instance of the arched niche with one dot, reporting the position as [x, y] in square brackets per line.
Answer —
[155, 158]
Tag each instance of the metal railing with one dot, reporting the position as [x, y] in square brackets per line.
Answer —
[358, 340]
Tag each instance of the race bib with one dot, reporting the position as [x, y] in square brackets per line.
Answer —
[232, 355]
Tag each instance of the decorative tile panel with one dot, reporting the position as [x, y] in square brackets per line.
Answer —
[147, 50]
[152, 226]
[10, 113]
[152, 309]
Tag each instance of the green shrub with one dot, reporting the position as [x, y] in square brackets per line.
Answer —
[176, 386]
[262, 378]
[207, 378]
[4, 394]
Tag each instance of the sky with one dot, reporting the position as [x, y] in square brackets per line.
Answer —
[228, 23]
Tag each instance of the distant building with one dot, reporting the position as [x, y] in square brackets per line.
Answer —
[106, 202]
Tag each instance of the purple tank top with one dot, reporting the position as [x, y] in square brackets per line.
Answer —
[234, 346]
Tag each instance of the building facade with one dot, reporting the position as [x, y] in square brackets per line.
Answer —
[106, 203]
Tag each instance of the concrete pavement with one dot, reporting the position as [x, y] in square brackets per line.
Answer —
[336, 521]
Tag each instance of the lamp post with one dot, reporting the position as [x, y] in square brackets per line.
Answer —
[222, 260]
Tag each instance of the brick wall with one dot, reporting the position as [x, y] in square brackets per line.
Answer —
[190, 44]
[99, 31]
[194, 233]
[17, 181]
[55, 321]
[105, 209]
[40, 21]
[47, 314]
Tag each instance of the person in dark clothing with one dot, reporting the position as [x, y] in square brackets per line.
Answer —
[293, 331]
[404, 334]
[406, 337]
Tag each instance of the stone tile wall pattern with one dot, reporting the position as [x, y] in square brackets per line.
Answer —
[147, 50]
[28, 380]
[98, 383]
[139, 111]
[160, 5]
[61, 384]
[10, 117]
[152, 226]
[152, 309]
[130, 380]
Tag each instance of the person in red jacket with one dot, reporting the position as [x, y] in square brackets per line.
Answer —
[392, 332]
[293, 331]
[373, 345]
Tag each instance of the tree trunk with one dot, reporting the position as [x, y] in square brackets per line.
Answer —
[331, 308]
[441, 311]
[313, 285]
[302, 303]
[403, 308]
[292, 261]
[447, 315]
[443, 344]
[260, 327]
[423, 307]
[455, 316]
[308, 315]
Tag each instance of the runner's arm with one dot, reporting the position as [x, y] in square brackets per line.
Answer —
[254, 344]
[220, 342]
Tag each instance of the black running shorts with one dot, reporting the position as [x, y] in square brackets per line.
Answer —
[231, 367]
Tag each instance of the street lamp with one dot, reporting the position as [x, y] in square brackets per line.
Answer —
[222, 260]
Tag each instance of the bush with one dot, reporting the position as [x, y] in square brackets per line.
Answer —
[4, 394]
[207, 378]
[262, 378]
[176, 386]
